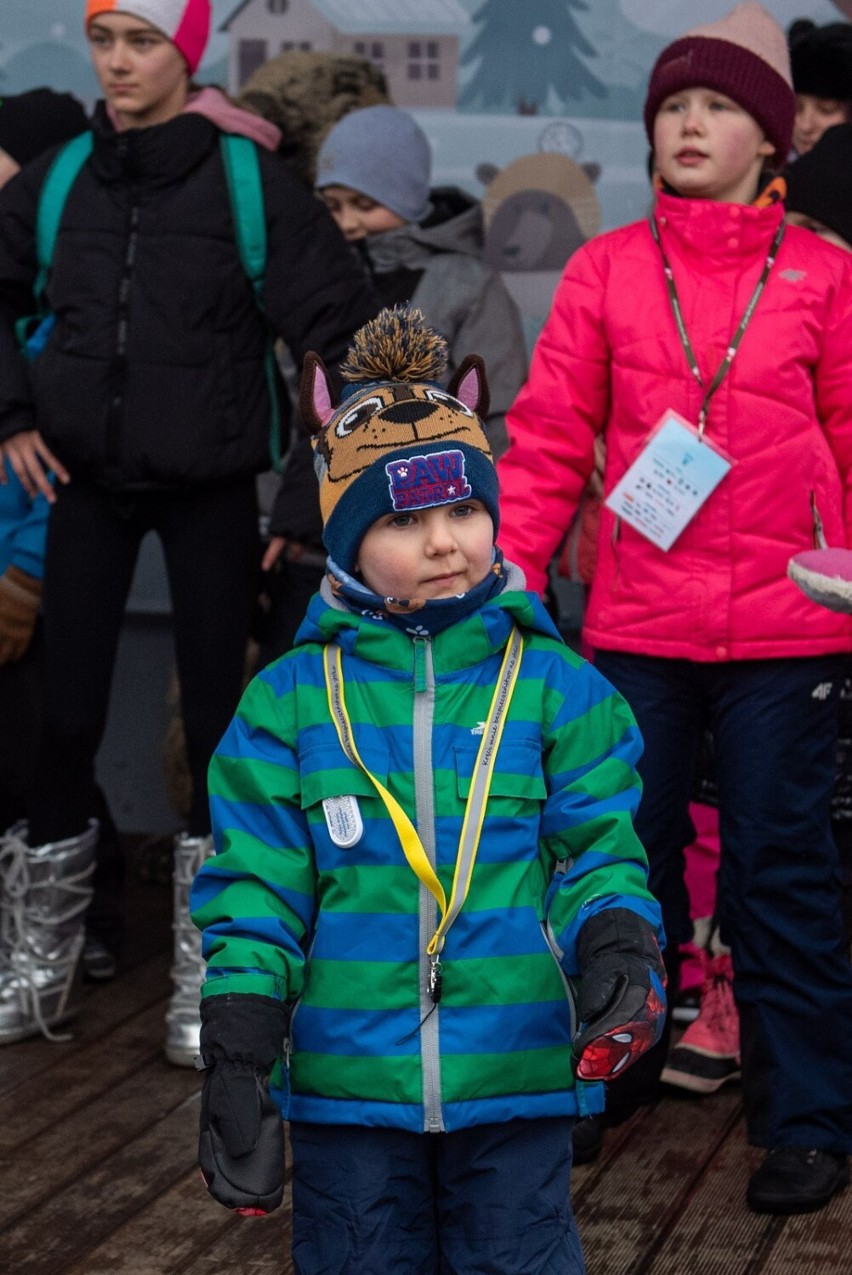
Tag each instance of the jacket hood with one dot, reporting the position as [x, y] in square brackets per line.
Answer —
[221, 111]
[453, 223]
[230, 118]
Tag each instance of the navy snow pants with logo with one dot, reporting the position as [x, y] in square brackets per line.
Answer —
[774, 724]
[490, 1200]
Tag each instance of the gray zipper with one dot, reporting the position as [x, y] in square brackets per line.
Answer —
[424, 805]
[556, 952]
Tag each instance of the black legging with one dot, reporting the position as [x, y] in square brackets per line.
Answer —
[211, 548]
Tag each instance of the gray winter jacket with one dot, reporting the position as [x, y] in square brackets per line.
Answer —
[462, 298]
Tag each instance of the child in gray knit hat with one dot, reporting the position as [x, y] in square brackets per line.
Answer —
[424, 246]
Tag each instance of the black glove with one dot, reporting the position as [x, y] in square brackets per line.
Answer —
[241, 1135]
[621, 1001]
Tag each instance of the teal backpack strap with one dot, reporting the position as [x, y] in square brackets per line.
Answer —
[51, 204]
[245, 190]
[58, 181]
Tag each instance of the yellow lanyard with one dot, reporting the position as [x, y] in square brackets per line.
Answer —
[474, 814]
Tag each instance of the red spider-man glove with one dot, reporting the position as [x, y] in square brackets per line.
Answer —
[621, 999]
[241, 1136]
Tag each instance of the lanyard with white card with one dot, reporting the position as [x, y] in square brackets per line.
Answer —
[678, 468]
[668, 482]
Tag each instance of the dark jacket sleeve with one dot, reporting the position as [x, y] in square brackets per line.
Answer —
[296, 511]
[317, 294]
[18, 206]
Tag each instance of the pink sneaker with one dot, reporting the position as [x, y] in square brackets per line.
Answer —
[708, 1053]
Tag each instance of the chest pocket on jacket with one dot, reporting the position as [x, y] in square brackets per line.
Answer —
[340, 794]
[518, 775]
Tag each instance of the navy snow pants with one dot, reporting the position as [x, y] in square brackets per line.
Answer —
[775, 729]
[491, 1200]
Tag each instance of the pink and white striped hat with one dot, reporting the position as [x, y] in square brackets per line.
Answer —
[185, 22]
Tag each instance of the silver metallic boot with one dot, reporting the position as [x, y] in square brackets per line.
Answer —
[44, 893]
[183, 1022]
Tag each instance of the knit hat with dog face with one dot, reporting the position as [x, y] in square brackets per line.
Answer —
[398, 441]
[743, 55]
[185, 22]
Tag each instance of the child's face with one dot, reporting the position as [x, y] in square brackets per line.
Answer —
[708, 147]
[358, 215]
[428, 553]
[824, 232]
[141, 72]
[813, 116]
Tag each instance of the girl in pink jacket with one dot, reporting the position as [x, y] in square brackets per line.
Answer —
[712, 348]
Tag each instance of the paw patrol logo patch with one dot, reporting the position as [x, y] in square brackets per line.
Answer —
[421, 481]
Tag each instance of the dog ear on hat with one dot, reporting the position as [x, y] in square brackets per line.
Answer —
[316, 397]
[470, 385]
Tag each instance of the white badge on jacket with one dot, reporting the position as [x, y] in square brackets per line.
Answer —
[343, 820]
[669, 481]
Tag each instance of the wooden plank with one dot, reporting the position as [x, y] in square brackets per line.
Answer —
[85, 1076]
[162, 1236]
[71, 1149]
[258, 1246]
[183, 1230]
[628, 1206]
[715, 1233]
[813, 1243]
[76, 1196]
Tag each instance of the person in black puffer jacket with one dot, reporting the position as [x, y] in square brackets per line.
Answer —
[151, 405]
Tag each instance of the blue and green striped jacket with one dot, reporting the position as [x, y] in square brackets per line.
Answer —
[340, 931]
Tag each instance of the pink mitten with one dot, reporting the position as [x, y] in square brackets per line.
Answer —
[824, 576]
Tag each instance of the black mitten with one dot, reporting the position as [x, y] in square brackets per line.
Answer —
[241, 1135]
[621, 1001]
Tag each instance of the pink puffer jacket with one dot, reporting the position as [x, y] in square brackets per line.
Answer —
[609, 358]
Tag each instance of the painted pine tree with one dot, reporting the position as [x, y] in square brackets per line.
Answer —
[526, 52]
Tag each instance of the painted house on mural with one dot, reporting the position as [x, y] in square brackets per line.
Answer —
[414, 42]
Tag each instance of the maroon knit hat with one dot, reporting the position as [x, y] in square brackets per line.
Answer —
[743, 55]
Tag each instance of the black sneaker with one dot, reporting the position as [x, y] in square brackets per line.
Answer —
[796, 1180]
[587, 1139]
[99, 963]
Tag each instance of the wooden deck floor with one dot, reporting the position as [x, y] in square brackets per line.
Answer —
[98, 1175]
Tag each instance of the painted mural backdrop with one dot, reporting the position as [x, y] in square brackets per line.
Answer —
[543, 121]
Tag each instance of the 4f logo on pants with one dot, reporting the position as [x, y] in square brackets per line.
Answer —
[822, 691]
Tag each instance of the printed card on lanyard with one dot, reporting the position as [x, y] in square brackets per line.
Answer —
[669, 481]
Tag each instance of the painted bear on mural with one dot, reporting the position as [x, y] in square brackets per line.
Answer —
[537, 211]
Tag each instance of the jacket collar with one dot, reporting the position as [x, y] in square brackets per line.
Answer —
[157, 156]
[724, 230]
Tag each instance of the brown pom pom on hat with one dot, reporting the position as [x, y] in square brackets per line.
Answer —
[743, 55]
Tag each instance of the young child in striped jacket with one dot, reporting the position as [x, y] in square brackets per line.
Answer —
[427, 926]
